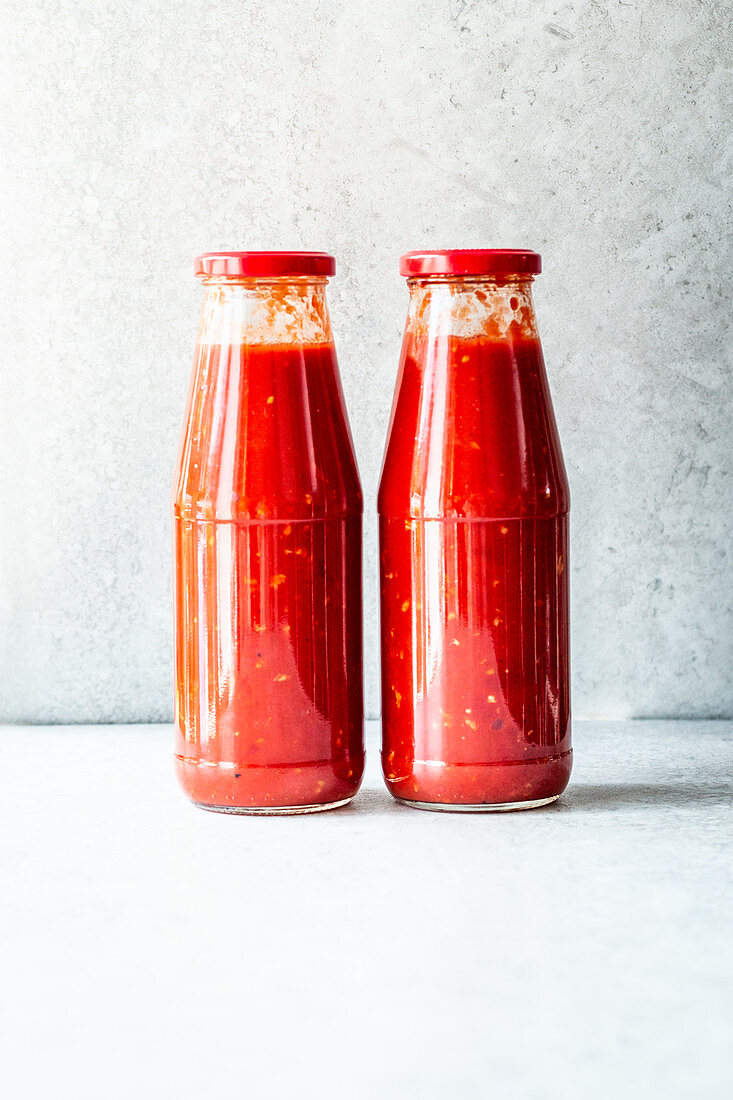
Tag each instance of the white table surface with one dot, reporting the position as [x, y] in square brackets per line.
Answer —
[151, 949]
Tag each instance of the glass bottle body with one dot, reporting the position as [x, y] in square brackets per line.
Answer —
[473, 509]
[267, 555]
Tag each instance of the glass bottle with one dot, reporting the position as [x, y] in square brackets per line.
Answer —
[473, 507]
[267, 548]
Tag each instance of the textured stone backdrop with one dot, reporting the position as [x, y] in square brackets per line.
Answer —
[138, 134]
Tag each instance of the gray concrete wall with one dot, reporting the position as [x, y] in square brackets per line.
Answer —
[139, 134]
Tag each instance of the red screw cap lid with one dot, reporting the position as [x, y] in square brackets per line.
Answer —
[258, 264]
[471, 261]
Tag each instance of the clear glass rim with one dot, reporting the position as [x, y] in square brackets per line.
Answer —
[494, 280]
[263, 280]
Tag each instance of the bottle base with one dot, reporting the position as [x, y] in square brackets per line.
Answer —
[274, 811]
[231, 787]
[480, 807]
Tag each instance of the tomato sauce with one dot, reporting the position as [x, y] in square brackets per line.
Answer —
[267, 554]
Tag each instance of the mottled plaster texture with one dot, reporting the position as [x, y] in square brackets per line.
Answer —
[137, 135]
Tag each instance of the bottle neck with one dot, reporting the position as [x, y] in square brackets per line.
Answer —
[471, 308]
[275, 311]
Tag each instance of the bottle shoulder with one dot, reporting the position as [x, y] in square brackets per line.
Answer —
[473, 435]
[257, 485]
[266, 437]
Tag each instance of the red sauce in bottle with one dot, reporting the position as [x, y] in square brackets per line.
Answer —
[267, 573]
[473, 528]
